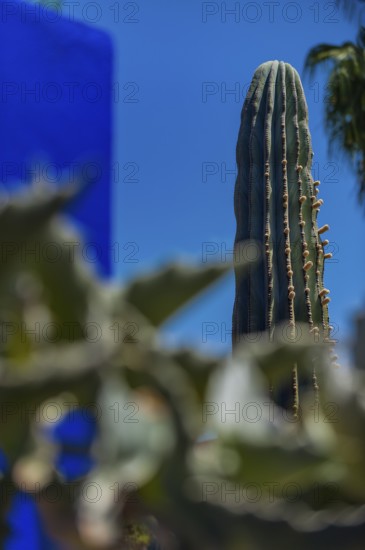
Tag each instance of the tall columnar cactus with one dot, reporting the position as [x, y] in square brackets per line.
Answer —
[276, 205]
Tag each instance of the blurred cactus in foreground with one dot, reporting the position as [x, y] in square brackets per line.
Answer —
[276, 206]
[150, 482]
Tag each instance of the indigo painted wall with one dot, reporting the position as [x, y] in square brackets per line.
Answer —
[55, 110]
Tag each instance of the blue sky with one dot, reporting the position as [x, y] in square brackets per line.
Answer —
[166, 128]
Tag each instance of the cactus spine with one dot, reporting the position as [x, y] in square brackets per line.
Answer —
[276, 205]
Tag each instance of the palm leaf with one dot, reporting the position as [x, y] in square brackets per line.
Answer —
[345, 108]
[161, 294]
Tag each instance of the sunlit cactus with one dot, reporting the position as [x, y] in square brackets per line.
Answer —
[276, 205]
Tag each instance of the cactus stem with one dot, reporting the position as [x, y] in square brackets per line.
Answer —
[277, 204]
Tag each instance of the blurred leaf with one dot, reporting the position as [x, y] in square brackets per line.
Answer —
[199, 368]
[166, 377]
[28, 211]
[275, 357]
[344, 410]
[47, 294]
[132, 423]
[56, 362]
[161, 294]
[22, 404]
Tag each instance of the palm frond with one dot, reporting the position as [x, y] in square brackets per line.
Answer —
[324, 53]
[345, 105]
[351, 8]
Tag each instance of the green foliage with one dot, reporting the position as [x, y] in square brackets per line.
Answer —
[176, 283]
[261, 476]
[344, 109]
[157, 483]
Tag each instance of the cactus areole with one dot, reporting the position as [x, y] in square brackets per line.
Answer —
[276, 205]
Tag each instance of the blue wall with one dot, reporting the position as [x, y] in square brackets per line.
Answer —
[55, 110]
